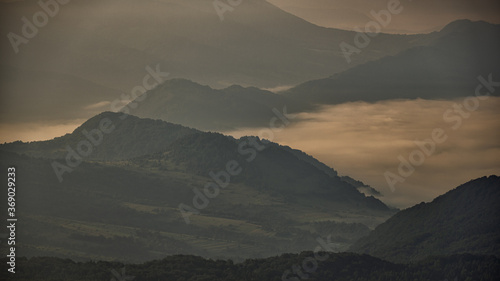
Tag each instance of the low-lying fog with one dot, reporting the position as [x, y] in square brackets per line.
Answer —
[364, 141]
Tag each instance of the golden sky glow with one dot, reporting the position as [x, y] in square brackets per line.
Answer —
[364, 140]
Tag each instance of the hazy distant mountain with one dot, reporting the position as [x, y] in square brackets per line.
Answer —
[340, 18]
[276, 170]
[128, 189]
[31, 92]
[446, 67]
[190, 104]
[102, 48]
[256, 44]
[464, 220]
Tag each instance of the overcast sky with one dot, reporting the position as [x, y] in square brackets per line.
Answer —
[417, 15]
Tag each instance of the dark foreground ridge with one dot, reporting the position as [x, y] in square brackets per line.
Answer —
[337, 267]
[130, 189]
[464, 220]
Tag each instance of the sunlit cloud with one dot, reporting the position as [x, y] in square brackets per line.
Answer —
[279, 88]
[36, 131]
[364, 140]
[98, 105]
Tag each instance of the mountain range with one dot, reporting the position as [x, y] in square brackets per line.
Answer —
[144, 185]
[133, 188]
[184, 102]
[188, 40]
[98, 51]
[159, 179]
[447, 66]
[464, 220]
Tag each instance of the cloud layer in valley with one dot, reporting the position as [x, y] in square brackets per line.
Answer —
[364, 141]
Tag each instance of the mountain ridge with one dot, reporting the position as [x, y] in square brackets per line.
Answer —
[465, 219]
[185, 102]
[447, 66]
[135, 201]
[256, 44]
[135, 137]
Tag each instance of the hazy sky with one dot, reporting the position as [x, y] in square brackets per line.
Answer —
[364, 141]
[417, 16]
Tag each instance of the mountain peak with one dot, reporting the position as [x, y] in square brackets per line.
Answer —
[465, 25]
[181, 83]
[94, 122]
[114, 136]
[465, 219]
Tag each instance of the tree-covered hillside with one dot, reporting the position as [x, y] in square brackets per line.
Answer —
[140, 193]
[464, 220]
[304, 266]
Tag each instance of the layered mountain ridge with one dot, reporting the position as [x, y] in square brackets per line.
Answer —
[464, 220]
[130, 186]
[447, 66]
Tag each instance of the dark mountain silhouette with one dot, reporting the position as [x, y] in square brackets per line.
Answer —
[129, 189]
[131, 137]
[330, 267]
[464, 220]
[274, 170]
[198, 152]
[447, 66]
[184, 102]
